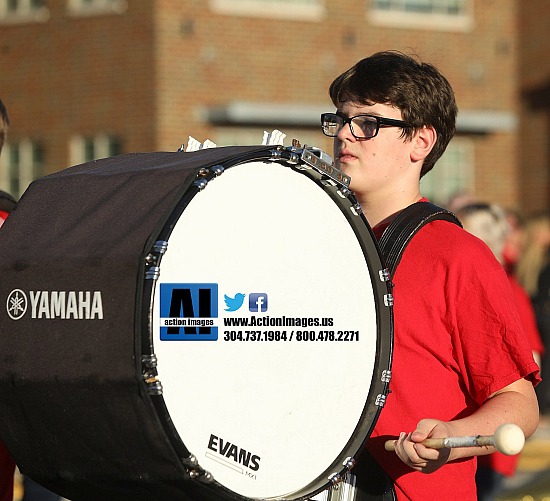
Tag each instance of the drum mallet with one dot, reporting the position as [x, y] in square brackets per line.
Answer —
[508, 439]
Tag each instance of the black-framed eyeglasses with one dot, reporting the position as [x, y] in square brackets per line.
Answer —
[361, 126]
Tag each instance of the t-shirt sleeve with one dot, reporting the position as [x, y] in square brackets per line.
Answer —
[491, 347]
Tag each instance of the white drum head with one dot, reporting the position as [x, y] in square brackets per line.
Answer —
[272, 390]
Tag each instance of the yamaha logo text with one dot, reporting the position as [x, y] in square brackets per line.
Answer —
[65, 305]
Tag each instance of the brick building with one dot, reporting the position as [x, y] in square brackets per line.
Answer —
[89, 78]
[534, 81]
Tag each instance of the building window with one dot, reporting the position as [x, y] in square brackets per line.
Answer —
[453, 174]
[86, 149]
[23, 11]
[299, 10]
[96, 7]
[21, 163]
[446, 7]
[450, 15]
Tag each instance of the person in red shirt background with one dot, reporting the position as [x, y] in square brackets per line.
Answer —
[533, 272]
[461, 363]
[7, 466]
[7, 204]
[490, 223]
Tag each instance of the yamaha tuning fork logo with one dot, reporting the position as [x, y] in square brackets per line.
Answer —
[64, 305]
[16, 304]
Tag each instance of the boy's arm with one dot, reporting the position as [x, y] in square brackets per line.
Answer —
[516, 403]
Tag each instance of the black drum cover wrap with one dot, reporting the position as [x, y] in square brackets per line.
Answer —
[74, 410]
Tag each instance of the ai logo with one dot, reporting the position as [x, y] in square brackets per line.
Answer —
[188, 312]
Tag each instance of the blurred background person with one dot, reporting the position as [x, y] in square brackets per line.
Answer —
[533, 272]
[7, 466]
[32, 491]
[7, 204]
[514, 243]
[491, 224]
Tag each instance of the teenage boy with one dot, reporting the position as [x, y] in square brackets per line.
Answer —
[461, 365]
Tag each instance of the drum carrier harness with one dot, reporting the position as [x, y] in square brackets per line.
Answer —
[373, 483]
[405, 225]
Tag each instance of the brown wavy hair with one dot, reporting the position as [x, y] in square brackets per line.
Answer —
[418, 89]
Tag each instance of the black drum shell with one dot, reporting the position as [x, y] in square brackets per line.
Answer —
[71, 390]
[75, 411]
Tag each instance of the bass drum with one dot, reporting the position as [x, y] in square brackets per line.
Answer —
[228, 337]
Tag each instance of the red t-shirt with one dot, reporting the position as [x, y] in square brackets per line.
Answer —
[457, 340]
[7, 466]
[506, 465]
[7, 469]
[3, 216]
[527, 315]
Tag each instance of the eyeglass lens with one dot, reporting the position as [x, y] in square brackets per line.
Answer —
[361, 126]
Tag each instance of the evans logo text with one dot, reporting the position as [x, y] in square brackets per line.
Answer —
[78, 305]
[234, 452]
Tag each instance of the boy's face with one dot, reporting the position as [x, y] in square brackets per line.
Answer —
[377, 166]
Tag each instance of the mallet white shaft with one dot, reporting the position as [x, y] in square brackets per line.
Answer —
[508, 439]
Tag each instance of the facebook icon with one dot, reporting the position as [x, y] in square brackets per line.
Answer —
[257, 301]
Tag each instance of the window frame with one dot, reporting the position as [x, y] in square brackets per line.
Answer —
[96, 7]
[104, 146]
[307, 10]
[27, 167]
[25, 12]
[450, 177]
[403, 18]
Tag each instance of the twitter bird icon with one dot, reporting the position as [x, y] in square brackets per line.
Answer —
[233, 303]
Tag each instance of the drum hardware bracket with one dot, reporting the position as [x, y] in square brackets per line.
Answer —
[386, 376]
[344, 192]
[314, 158]
[388, 299]
[349, 463]
[153, 258]
[201, 475]
[318, 153]
[154, 386]
[345, 490]
[357, 209]
[190, 461]
[161, 246]
[200, 184]
[149, 361]
[149, 374]
[217, 170]
[384, 275]
[152, 273]
[337, 478]
[194, 470]
[380, 400]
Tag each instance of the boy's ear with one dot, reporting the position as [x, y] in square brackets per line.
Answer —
[423, 142]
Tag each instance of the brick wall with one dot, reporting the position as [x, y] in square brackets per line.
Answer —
[148, 75]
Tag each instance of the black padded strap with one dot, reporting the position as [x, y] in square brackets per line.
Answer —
[406, 224]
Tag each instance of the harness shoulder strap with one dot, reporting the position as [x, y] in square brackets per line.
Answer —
[406, 224]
